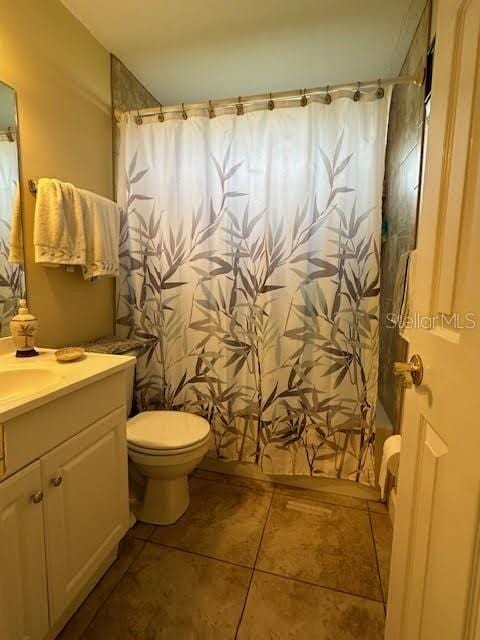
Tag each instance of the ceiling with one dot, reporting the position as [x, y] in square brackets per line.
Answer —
[199, 49]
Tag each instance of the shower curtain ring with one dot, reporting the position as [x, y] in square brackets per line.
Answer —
[161, 116]
[138, 118]
[357, 95]
[271, 104]
[184, 113]
[380, 91]
[304, 99]
[328, 97]
[240, 106]
[211, 110]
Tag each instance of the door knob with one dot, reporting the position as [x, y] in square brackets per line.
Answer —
[37, 497]
[410, 372]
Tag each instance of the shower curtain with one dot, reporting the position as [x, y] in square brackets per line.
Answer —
[250, 271]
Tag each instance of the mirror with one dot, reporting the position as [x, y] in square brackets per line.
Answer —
[12, 276]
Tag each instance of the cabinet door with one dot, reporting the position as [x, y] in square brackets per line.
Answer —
[23, 582]
[86, 507]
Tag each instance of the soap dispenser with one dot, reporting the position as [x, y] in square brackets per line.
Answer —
[24, 327]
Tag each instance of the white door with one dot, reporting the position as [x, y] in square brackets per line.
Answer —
[86, 507]
[23, 582]
[435, 576]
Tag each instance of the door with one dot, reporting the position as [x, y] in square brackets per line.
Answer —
[23, 582]
[86, 507]
[435, 575]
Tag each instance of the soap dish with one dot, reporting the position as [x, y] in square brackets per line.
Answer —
[67, 354]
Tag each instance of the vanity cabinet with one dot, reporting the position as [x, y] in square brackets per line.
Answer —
[85, 507]
[23, 573]
[62, 515]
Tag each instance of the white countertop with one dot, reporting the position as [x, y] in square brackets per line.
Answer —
[69, 377]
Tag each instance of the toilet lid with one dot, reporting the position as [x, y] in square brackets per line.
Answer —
[166, 429]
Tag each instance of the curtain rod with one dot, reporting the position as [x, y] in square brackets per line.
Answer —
[302, 94]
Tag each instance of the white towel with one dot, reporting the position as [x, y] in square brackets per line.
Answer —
[59, 229]
[76, 227]
[15, 249]
[102, 234]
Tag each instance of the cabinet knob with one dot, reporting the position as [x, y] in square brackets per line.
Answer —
[37, 497]
[56, 481]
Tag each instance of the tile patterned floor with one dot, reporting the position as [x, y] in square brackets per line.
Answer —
[251, 560]
[225, 524]
[326, 545]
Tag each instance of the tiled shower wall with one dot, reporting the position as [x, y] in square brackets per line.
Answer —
[127, 94]
[401, 191]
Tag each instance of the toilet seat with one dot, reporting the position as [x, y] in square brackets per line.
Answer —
[156, 451]
[157, 433]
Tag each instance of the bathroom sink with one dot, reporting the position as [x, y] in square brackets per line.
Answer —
[19, 383]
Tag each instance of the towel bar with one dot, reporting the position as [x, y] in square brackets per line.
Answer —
[32, 186]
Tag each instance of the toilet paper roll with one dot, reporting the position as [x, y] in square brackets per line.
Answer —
[390, 461]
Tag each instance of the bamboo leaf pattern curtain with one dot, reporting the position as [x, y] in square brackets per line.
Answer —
[250, 270]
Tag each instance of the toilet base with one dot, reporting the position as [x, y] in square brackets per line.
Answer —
[165, 501]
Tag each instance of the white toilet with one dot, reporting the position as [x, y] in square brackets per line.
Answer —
[165, 446]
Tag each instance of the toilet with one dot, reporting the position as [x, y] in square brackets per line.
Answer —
[165, 446]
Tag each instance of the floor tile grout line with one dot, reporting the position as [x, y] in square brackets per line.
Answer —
[253, 569]
[316, 584]
[376, 559]
[113, 588]
[200, 555]
[263, 531]
[130, 534]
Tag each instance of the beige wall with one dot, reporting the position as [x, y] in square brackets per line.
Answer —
[62, 77]
[433, 26]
